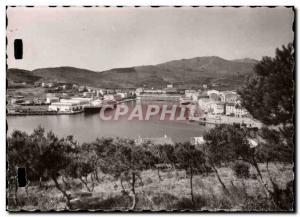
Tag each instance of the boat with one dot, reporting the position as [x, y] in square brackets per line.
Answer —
[94, 106]
[92, 109]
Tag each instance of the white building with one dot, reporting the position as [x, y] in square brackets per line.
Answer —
[102, 91]
[81, 88]
[153, 91]
[52, 99]
[64, 107]
[211, 106]
[195, 96]
[109, 97]
[235, 110]
[209, 92]
[122, 95]
[205, 104]
[218, 108]
[78, 100]
[197, 140]
[229, 96]
[190, 93]
[88, 94]
[51, 84]
[138, 91]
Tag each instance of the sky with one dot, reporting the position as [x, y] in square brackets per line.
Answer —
[104, 38]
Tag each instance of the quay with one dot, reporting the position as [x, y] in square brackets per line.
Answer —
[223, 119]
[13, 113]
[159, 97]
[64, 108]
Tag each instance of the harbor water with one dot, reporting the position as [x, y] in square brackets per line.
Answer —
[87, 127]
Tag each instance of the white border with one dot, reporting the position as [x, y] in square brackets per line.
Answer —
[145, 2]
[3, 3]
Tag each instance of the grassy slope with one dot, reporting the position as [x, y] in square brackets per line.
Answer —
[171, 193]
[28, 93]
[20, 75]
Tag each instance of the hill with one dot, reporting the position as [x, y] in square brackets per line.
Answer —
[21, 75]
[246, 60]
[185, 73]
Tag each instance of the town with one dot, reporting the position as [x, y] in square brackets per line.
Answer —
[56, 98]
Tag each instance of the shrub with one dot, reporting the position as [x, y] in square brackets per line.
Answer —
[241, 170]
[148, 181]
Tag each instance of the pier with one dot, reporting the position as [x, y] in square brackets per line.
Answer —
[159, 97]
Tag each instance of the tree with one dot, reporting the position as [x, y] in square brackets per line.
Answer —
[55, 158]
[191, 160]
[124, 160]
[38, 141]
[268, 95]
[84, 163]
[224, 144]
[41, 156]
[23, 151]
[162, 155]
[17, 156]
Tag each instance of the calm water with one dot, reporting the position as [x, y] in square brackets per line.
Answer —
[87, 127]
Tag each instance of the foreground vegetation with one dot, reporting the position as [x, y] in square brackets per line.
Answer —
[117, 174]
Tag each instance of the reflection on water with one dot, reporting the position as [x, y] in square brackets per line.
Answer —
[87, 127]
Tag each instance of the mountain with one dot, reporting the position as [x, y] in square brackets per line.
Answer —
[246, 60]
[185, 73]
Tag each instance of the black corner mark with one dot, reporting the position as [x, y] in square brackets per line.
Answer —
[18, 48]
[21, 175]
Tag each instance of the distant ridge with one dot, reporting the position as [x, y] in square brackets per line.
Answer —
[246, 60]
[185, 73]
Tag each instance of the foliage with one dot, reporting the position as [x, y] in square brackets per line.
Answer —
[190, 159]
[274, 147]
[268, 94]
[226, 143]
[62, 161]
[241, 169]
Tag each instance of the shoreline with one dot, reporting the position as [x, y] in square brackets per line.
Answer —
[228, 120]
[41, 113]
[46, 112]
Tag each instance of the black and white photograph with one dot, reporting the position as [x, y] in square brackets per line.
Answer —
[150, 108]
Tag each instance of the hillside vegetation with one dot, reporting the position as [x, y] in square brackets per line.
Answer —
[185, 73]
[117, 174]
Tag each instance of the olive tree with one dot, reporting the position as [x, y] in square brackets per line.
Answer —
[125, 160]
[225, 144]
[191, 160]
[55, 158]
